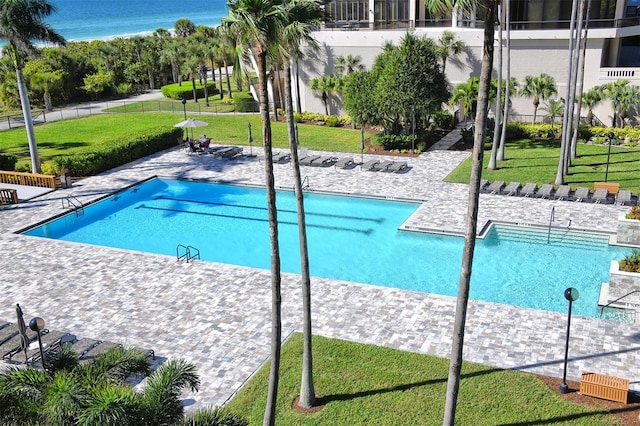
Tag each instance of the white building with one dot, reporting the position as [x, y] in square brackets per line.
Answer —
[539, 42]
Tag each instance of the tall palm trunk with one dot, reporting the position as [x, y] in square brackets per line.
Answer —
[298, 104]
[28, 122]
[455, 366]
[226, 73]
[496, 128]
[307, 390]
[507, 93]
[276, 297]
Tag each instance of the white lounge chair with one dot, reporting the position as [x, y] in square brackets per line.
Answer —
[545, 190]
[371, 165]
[623, 197]
[600, 195]
[512, 188]
[563, 191]
[529, 190]
[581, 194]
[345, 162]
[496, 187]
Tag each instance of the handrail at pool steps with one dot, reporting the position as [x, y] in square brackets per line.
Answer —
[73, 203]
[186, 252]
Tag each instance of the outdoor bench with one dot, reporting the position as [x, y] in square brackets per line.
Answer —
[604, 387]
[28, 179]
[8, 196]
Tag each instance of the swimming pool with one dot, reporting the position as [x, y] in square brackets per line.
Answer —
[353, 239]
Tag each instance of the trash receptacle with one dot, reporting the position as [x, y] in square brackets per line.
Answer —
[65, 180]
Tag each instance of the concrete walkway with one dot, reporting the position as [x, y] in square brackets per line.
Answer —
[218, 316]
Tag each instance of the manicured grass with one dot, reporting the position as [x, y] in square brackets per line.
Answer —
[537, 161]
[371, 385]
[75, 135]
[170, 105]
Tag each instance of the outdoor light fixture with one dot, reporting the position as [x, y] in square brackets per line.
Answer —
[184, 107]
[37, 324]
[571, 294]
[413, 129]
[606, 173]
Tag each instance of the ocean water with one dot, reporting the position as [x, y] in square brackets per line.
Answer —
[91, 20]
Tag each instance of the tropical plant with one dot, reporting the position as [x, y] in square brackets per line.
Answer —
[590, 100]
[348, 64]
[623, 97]
[554, 109]
[466, 95]
[324, 86]
[449, 46]
[213, 417]
[184, 28]
[47, 82]
[21, 22]
[539, 88]
[258, 24]
[69, 392]
[631, 262]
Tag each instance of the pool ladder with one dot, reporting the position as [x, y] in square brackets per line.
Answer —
[602, 308]
[187, 253]
[73, 203]
[305, 183]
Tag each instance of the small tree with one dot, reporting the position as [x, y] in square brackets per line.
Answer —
[324, 86]
[449, 46]
[554, 109]
[540, 88]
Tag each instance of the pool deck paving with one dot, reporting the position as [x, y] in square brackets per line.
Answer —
[218, 316]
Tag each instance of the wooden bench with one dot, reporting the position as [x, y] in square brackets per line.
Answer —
[604, 387]
[8, 196]
[612, 187]
[29, 179]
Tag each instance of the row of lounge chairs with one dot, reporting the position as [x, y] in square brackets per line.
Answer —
[315, 160]
[603, 193]
[225, 152]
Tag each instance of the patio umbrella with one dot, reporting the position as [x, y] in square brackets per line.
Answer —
[250, 140]
[191, 124]
[22, 328]
[362, 143]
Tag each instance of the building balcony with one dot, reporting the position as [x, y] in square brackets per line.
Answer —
[609, 74]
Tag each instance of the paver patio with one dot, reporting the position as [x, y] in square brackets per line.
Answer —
[218, 316]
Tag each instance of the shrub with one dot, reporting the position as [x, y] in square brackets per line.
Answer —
[297, 117]
[118, 152]
[598, 140]
[390, 142]
[8, 162]
[631, 263]
[634, 213]
[185, 91]
[332, 121]
[442, 119]
[244, 102]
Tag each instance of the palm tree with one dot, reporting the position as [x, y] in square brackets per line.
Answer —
[184, 28]
[324, 85]
[623, 97]
[487, 9]
[21, 22]
[350, 63]
[541, 87]
[302, 15]
[47, 81]
[554, 109]
[259, 24]
[590, 100]
[466, 94]
[95, 393]
[448, 46]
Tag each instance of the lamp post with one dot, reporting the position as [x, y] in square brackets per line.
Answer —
[571, 294]
[37, 324]
[184, 107]
[606, 173]
[413, 129]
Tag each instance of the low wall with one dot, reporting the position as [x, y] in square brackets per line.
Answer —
[622, 283]
[628, 231]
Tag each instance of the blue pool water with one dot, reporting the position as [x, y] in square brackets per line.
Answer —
[353, 239]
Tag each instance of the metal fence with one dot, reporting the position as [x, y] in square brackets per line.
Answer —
[9, 121]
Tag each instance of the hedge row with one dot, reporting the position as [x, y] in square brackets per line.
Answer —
[8, 162]
[116, 153]
[185, 91]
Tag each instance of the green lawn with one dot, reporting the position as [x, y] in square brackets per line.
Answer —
[371, 385]
[537, 161]
[74, 135]
[170, 105]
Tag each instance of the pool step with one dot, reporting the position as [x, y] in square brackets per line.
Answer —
[557, 236]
